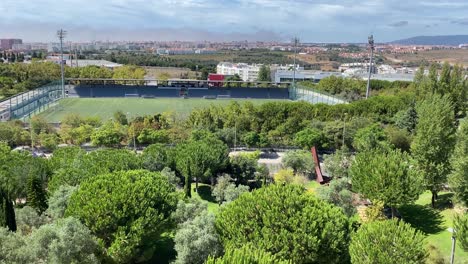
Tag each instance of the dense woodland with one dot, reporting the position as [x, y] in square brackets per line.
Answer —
[186, 199]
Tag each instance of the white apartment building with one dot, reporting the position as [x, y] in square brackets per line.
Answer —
[248, 73]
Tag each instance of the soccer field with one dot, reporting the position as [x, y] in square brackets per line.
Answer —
[105, 107]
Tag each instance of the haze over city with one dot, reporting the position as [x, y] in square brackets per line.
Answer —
[215, 20]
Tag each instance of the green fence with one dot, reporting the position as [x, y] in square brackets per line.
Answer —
[26, 104]
[303, 93]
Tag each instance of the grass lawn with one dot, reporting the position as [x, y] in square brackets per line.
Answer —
[204, 193]
[434, 223]
[105, 107]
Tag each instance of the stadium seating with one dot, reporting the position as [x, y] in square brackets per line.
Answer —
[155, 92]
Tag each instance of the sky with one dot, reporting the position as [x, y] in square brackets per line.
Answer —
[226, 20]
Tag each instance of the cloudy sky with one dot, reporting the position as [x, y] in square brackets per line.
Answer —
[310, 20]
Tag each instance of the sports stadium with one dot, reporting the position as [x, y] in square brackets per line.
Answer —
[103, 97]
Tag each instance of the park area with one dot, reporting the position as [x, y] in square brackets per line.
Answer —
[105, 107]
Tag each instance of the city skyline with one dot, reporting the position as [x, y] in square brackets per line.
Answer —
[222, 20]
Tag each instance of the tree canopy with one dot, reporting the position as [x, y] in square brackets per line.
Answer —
[386, 176]
[388, 241]
[278, 219]
[127, 210]
[458, 179]
[433, 144]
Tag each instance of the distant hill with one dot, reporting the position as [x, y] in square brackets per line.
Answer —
[452, 40]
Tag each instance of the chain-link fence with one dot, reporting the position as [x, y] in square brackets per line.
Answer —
[26, 104]
[302, 93]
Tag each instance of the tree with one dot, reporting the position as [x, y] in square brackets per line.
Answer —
[58, 202]
[219, 189]
[308, 138]
[77, 169]
[110, 134]
[433, 79]
[407, 119]
[27, 219]
[243, 168]
[36, 195]
[337, 165]
[64, 241]
[284, 176]
[196, 239]
[155, 157]
[246, 254]
[386, 176]
[300, 161]
[7, 213]
[338, 192]
[10, 245]
[278, 219]
[17, 167]
[226, 191]
[129, 72]
[151, 136]
[188, 209]
[127, 210]
[389, 241]
[233, 192]
[458, 179]
[264, 74]
[202, 158]
[251, 139]
[398, 138]
[434, 141]
[48, 141]
[121, 118]
[460, 225]
[369, 137]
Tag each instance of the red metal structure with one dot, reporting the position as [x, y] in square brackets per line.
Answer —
[318, 171]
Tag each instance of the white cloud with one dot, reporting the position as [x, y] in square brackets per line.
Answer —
[319, 20]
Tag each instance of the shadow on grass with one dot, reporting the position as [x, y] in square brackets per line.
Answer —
[205, 193]
[164, 251]
[423, 218]
[444, 201]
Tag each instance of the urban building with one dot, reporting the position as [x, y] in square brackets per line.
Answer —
[287, 75]
[7, 44]
[248, 73]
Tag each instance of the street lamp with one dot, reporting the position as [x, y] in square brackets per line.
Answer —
[61, 35]
[295, 41]
[453, 232]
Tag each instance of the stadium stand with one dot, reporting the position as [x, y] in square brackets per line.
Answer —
[116, 90]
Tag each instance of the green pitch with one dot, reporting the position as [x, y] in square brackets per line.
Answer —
[105, 107]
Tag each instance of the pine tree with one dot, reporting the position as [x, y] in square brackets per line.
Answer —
[7, 212]
[36, 195]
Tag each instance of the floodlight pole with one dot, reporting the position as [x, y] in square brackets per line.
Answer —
[61, 35]
[296, 41]
[372, 47]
